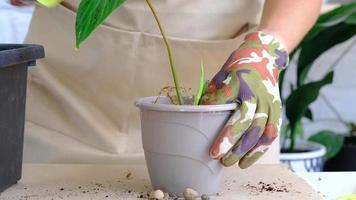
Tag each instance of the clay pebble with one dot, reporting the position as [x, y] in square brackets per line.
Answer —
[205, 197]
[157, 194]
[190, 194]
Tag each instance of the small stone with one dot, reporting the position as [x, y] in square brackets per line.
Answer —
[157, 194]
[128, 175]
[190, 194]
[205, 197]
[166, 196]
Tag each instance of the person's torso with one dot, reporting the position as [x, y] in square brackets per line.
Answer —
[197, 19]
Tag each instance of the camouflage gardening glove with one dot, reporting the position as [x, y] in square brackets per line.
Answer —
[250, 77]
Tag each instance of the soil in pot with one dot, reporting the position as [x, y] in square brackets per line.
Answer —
[345, 159]
[294, 151]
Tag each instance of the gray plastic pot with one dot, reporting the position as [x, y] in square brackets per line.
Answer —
[14, 61]
[176, 141]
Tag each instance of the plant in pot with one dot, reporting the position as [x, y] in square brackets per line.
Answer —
[331, 28]
[341, 146]
[176, 136]
[14, 61]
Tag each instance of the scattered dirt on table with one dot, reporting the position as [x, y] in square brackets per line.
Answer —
[123, 189]
[128, 175]
[262, 187]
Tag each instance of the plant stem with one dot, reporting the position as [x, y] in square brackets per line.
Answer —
[292, 141]
[168, 47]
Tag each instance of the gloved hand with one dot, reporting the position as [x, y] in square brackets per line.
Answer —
[250, 77]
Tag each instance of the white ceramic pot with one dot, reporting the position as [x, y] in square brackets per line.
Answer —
[310, 161]
[176, 141]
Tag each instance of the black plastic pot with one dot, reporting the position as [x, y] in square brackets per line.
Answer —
[14, 60]
[345, 159]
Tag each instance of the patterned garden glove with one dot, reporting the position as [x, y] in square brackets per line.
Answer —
[250, 77]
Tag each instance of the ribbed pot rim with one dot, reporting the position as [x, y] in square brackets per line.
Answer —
[147, 103]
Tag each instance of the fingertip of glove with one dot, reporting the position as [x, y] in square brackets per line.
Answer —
[245, 165]
[214, 155]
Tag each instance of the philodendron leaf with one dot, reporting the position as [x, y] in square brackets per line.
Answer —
[332, 141]
[201, 85]
[91, 13]
[299, 100]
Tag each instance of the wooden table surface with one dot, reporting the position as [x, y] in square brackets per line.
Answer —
[91, 182]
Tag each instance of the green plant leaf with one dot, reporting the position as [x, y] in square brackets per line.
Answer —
[351, 19]
[331, 18]
[200, 91]
[91, 13]
[299, 130]
[316, 46]
[332, 141]
[332, 28]
[337, 15]
[281, 82]
[299, 100]
[309, 114]
[285, 130]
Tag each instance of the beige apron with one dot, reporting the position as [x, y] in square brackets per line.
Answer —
[80, 103]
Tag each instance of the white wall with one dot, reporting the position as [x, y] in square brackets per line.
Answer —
[14, 22]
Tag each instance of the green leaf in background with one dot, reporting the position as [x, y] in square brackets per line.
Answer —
[280, 82]
[91, 13]
[309, 114]
[299, 100]
[337, 15]
[331, 18]
[332, 141]
[316, 46]
[332, 28]
[351, 19]
[201, 85]
[299, 130]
